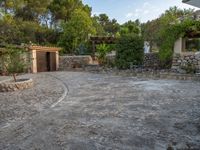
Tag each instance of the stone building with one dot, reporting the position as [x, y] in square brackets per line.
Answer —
[187, 49]
[43, 59]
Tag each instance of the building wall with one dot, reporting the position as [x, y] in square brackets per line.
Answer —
[178, 46]
[184, 61]
[33, 59]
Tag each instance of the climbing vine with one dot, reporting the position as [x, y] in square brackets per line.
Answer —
[170, 34]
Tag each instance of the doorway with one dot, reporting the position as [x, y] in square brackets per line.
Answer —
[46, 61]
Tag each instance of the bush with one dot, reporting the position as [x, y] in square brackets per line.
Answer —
[130, 51]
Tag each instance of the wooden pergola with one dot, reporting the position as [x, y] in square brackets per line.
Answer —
[103, 39]
[193, 34]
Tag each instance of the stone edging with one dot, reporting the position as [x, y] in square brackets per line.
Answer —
[10, 86]
[64, 95]
[171, 76]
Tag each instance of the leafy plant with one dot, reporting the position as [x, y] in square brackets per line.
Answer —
[102, 51]
[129, 51]
[13, 61]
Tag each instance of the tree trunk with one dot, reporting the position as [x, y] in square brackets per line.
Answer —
[14, 77]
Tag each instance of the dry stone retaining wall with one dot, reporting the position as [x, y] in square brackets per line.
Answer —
[151, 60]
[74, 62]
[184, 61]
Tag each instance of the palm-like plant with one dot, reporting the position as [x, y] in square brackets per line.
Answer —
[102, 51]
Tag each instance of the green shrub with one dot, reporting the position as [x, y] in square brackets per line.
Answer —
[130, 51]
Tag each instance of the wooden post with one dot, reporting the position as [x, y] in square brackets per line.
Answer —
[34, 61]
[57, 60]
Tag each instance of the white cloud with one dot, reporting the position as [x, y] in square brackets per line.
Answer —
[144, 11]
[129, 15]
[138, 10]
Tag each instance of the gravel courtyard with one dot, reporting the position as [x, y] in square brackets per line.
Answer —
[85, 111]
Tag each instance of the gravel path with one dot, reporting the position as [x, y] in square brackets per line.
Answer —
[104, 112]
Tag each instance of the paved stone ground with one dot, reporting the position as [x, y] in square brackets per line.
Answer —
[21, 105]
[103, 112]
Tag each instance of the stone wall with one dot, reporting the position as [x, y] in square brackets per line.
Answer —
[151, 60]
[74, 62]
[186, 63]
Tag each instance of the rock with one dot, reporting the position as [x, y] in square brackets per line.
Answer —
[197, 55]
[179, 61]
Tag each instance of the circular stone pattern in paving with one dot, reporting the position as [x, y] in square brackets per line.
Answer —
[11, 86]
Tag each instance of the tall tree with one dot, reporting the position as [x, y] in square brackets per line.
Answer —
[31, 10]
[152, 30]
[130, 27]
[111, 27]
[76, 31]
[63, 9]
[99, 28]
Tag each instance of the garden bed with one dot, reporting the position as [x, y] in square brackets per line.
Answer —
[11, 86]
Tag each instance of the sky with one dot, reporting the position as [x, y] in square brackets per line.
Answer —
[124, 10]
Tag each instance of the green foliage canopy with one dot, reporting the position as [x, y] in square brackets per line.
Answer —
[76, 31]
